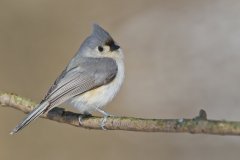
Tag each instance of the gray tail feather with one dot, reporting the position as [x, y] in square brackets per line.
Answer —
[38, 110]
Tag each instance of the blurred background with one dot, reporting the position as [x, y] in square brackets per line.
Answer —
[181, 56]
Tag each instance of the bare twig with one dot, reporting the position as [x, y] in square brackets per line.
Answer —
[199, 124]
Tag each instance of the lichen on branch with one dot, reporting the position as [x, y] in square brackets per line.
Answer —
[197, 125]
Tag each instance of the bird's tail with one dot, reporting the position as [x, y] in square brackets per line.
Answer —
[37, 111]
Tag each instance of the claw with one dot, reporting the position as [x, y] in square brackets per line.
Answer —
[104, 120]
[82, 116]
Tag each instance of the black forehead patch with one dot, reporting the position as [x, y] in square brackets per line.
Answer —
[112, 45]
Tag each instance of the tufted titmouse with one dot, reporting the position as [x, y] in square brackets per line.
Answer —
[91, 79]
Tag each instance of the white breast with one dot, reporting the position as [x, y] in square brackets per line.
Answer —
[99, 97]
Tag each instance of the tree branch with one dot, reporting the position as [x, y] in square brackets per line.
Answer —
[199, 124]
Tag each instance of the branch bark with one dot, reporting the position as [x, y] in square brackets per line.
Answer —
[198, 125]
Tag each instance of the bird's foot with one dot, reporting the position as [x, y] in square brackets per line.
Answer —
[83, 116]
[104, 120]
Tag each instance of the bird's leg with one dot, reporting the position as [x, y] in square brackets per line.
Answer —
[105, 116]
[83, 116]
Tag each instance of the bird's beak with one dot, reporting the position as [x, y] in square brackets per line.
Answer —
[114, 47]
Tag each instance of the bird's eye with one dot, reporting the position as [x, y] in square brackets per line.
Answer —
[100, 48]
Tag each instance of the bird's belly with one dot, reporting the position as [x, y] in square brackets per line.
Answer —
[96, 98]
[99, 97]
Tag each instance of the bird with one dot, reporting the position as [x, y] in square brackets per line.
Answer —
[89, 82]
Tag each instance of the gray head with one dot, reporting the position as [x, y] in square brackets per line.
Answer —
[99, 44]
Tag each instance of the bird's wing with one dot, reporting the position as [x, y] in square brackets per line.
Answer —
[87, 75]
